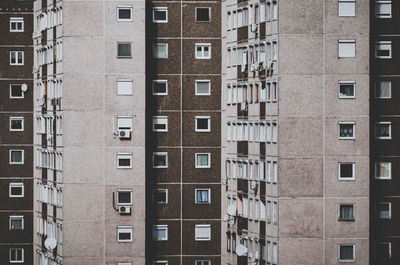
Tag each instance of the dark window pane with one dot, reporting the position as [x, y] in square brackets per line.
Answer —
[384, 53]
[160, 87]
[346, 253]
[203, 14]
[347, 90]
[160, 15]
[124, 197]
[202, 124]
[124, 50]
[160, 160]
[346, 212]
[160, 196]
[124, 236]
[382, 130]
[159, 126]
[346, 130]
[382, 251]
[16, 91]
[124, 13]
[124, 162]
[15, 191]
[16, 124]
[346, 170]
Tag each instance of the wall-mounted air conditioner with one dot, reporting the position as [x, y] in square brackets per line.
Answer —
[124, 134]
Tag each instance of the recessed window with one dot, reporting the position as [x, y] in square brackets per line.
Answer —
[384, 250]
[347, 171]
[383, 170]
[383, 130]
[16, 255]
[203, 14]
[160, 123]
[161, 196]
[346, 130]
[203, 195]
[124, 50]
[16, 190]
[202, 262]
[383, 9]
[16, 124]
[384, 210]
[347, 48]
[16, 91]
[124, 160]
[383, 89]
[160, 50]
[202, 124]
[160, 232]
[347, 89]
[383, 49]
[124, 13]
[203, 160]
[347, 8]
[203, 232]
[16, 58]
[17, 24]
[160, 87]
[124, 233]
[160, 160]
[347, 253]
[124, 86]
[346, 212]
[16, 223]
[203, 88]
[203, 51]
[160, 14]
[124, 197]
[16, 156]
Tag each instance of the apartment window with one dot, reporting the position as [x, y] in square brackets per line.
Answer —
[124, 263]
[383, 89]
[160, 232]
[383, 9]
[16, 124]
[203, 51]
[228, 242]
[16, 156]
[160, 50]
[383, 170]
[16, 255]
[346, 212]
[16, 190]
[16, 91]
[202, 262]
[124, 50]
[124, 160]
[347, 48]
[383, 130]
[160, 87]
[160, 14]
[124, 123]
[202, 124]
[160, 160]
[16, 58]
[347, 89]
[203, 88]
[203, 160]
[16, 24]
[384, 210]
[124, 197]
[16, 223]
[203, 14]
[346, 130]
[383, 49]
[160, 262]
[384, 250]
[347, 8]
[203, 195]
[161, 196]
[124, 87]
[124, 13]
[347, 253]
[347, 171]
[125, 233]
[202, 232]
[160, 123]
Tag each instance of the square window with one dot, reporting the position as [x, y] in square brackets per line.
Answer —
[202, 232]
[160, 196]
[203, 160]
[383, 89]
[16, 255]
[16, 223]
[124, 160]
[383, 49]
[347, 8]
[16, 58]
[384, 250]
[346, 130]
[124, 123]
[346, 212]
[203, 51]
[160, 50]
[17, 157]
[203, 195]
[17, 24]
[160, 232]
[202, 262]
[347, 89]
[16, 190]
[203, 14]
[124, 197]
[347, 48]
[124, 50]
[124, 13]
[383, 130]
[124, 233]
[384, 210]
[160, 14]
[160, 160]
[160, 123]
[383, 9]
[203, 88]
[383, 170]
[202, 124]
[160, 87]
[346, 171]
[16, 91]
[16, 124]
[347, 253]
[124, 86]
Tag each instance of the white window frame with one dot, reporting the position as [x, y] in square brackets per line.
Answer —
[203, 81]
[340, 49]
[160, 81]
[16, 57]
[390, 211]
[166, 196]
[16, 185]
[209, 14]
[209, 160]
[343, 3]
[15, 119]
[389, 247]
[203, 57]
[202, 226]
[17, 20]
[119, 90]
[202, 189]
[353, 166]
[390, 130]
[16, 163]
[124, 7]
[354, 253]
[155, 47]
[158, 8]
[376, 170]
[353, 83]
[163, 227]
[124, 156]
[378, 2]
[17, 261]
[354, 130]
[159, 154]
[163, 262]
[383, 43]
[124, 263]
[160, 118]
[124, 203]
[129, 118]
[15, 217]
[22, 93]
[124, 229]
[202, 130]
[390, 91]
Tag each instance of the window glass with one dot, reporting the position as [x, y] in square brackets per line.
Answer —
[383, 170]
[161, 196]
[203, 160]
[383, 49]
[16, 91]
[202, 124]
[383, 130]
[160, 160]
[346, 130]
[384, 210]
[202, 87]
[16, 190]
[160, 123]
[202, 232]
[124, 50]
[346, 253]
[346, 90]
[160, 232]
[203, 14]
[16, 222]
[16, 124]
[383, 9]
[346, 170]
[346, 212]
[383, 251]
[16, 156]
[125, 13]
[124, 197]
[160, 14]
[202, 196]
[347, 48]
[160, 87]
[124, 233]
[160, 50]
[383, 89]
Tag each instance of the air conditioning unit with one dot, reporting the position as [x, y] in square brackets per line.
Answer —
[253, 185]
[224, 182]
[124, 209]
[124, 134]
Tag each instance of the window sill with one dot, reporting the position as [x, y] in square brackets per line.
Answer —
[346, 220]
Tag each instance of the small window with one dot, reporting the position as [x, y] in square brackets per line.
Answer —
[346, 212]
[384, 210]
[16, 190]
[160, 87]
[202, 262]
[347, 171]
[124, 197]
[203, 14]
[202, 232]
[16, 91]
[16, 255]
[383, 130]
[347, 253]
[16, 58]
[124, 123]
[202, 124]
[203, 51]
[160, 14]
[347, 89]
[346, 130]
[383, 49]
[124, 160]
[124, 50]
[203, 88]
[161, 196]
[16, 124]
[384, 250]
[160, 160]
[17, 24]
[347, 48]
[125, 233]
[16, 223]
[383, 89]
[16, 157]
[160, 262]
[124, 263]
[203, 195]
[347, 8]
[383, 170]
[160, 232]
[160, 123]
[160, 50]
[124, 13]
[124, 87]
[203, 160]
[383, 9]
